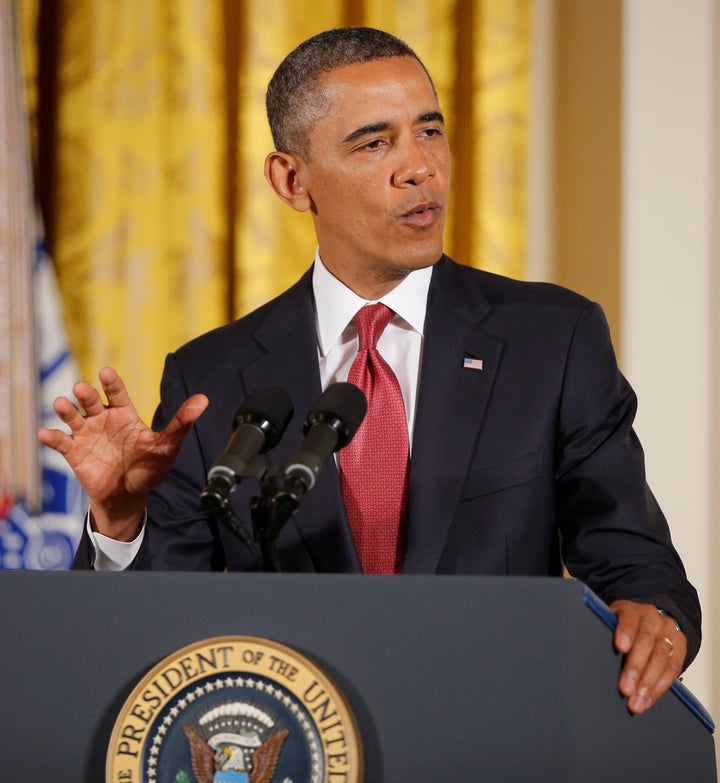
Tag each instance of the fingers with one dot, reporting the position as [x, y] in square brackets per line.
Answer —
[90, 404]
[69, 414]
[627, 627]
[114, 429]
[187, 414]
[655, 652]
[55, 439]
[113, 387]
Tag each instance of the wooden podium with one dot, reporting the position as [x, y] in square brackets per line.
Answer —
[449, 678]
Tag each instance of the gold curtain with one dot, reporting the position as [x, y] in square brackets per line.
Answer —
[151, 136]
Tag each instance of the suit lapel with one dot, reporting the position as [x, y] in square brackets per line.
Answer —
[318, 536]
[452, 402]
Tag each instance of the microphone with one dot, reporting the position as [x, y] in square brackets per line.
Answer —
[258, 425]
[330, 425]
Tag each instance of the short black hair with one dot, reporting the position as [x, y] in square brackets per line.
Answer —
[294, 99]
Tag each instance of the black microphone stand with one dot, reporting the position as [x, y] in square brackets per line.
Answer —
[270, 511]
[215, 502]
[278, 500]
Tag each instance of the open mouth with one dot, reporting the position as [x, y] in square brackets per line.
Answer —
[425, 206]
[423, 215]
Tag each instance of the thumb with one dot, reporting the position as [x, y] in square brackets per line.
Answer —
[187, 414]
[627, 625]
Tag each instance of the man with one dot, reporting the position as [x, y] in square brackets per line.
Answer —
[519, 424]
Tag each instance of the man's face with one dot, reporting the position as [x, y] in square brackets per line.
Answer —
[377, 173]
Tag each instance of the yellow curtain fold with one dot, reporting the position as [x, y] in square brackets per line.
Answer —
[153, 132]
[139, 223]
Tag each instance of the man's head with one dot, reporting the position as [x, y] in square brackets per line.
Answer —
[295, 99]
[369, 156]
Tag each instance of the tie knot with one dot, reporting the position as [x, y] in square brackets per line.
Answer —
[371, 321]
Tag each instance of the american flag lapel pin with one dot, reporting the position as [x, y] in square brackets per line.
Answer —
[471, 363]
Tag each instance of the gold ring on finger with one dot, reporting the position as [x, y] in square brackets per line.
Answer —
[672, 646]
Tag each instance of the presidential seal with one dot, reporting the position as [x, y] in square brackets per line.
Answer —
[235, 709]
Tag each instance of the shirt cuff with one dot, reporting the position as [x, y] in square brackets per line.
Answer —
[112, 555]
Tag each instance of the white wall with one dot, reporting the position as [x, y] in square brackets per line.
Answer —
[670, 290]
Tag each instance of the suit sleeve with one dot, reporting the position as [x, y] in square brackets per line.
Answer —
[615, 538]
[179, 536]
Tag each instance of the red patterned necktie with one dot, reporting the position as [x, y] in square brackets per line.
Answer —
[374, 465]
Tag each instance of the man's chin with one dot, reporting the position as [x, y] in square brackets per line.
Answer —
[411, 263]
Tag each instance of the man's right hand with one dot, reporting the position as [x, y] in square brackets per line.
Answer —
[115, 456]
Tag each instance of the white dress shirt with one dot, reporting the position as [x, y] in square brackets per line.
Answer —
[400, 344]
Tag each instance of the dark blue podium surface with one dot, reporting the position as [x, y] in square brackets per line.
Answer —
[450, 678]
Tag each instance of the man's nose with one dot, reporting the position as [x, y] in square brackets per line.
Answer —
[415, 165]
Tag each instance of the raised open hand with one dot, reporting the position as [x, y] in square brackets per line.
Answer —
[116, 457]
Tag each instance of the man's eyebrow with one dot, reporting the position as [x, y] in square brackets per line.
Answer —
[378, 127]
[365, 130]
[432, 116]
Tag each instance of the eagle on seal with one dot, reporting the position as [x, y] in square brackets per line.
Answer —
[228, 744]
[211, 766]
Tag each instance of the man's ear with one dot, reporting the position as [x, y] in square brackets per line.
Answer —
[281, 171]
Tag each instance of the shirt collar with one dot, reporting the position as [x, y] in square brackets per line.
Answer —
[336, 304]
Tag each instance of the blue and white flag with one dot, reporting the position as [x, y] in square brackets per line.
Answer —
[46, 539]
[41, 503]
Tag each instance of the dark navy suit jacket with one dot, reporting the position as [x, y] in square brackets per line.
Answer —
[516, 468]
